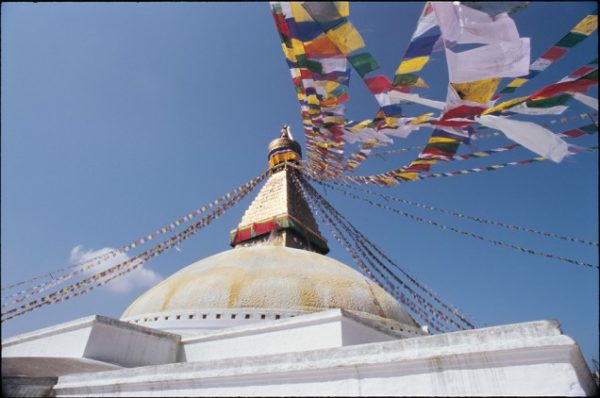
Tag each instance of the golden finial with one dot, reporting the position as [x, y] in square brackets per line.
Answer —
[284, 148]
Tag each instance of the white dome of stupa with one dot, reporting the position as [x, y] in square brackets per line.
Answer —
[250, 284]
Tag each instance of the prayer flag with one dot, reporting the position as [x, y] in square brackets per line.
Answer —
[421, 46]
[574, 133]
[412, 65]
[378, 84]
[517, 82]
[493, 8]
[462, 111]
[397, 97]
[570, 40]
[326, 13]
[298, 12]
[364, 63]
[306, 31]
[321, 46]
[542, 63]
[530, 135]
[405, 79]
[334, 64]
[587, 26]
[577, 86]
[526, 110]
[427, 21]
[393, 110]
[480, 91]
[346, 38]
[549, 102]
[553, 54]
[314, 66]
[460, 24]
[502, 59]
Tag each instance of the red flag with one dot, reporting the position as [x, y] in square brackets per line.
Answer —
[378, 84]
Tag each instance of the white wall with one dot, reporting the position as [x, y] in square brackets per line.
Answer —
[356, 333]
[308, 332]
[99, 338]
[130, 347]
[67, 340]
[524, 359]
[315, 331]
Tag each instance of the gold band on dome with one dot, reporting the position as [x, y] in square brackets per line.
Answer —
[281, 157]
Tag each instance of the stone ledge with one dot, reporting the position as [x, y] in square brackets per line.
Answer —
[28, 386]
[38, 367]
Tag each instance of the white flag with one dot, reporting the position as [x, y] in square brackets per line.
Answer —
[525, 110]
[460, 24]
[530, 135]
[503, 59]
[333, 64]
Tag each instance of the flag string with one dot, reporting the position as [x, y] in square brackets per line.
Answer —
[64, 293]
[91, 263]
[360, 239]
[469, 234]
[330, 184]
[383, 255]
[416, 308]
[581, 31]
[388, 178]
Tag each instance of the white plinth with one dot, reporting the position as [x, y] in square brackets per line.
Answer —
[329, 353]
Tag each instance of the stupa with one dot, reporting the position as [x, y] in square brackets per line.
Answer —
[276, 270]
[275, 316]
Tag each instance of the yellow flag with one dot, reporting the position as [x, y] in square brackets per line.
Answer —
[423, 161]
[346, 38]
[421, 119]
[328, 102]
[330, 86]
[408, 176]
[313, 100]
[333, 119]
[288, 52]
[298, 47]
[343, 8]
[390, 122]
[518, 82]
[299, 13]
[505, 104]
[421, 83]
[389, 181]
[438, 140]
[412, 65]
[480, 91]
[587, 26]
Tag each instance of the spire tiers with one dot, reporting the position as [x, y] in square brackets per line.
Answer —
[279, 215]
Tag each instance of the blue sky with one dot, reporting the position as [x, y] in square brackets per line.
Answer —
[119, 118]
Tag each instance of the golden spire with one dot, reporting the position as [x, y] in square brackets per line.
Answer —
[279, 215]
[284, 149]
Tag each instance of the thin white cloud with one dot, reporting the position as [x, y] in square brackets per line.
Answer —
[138, 278]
